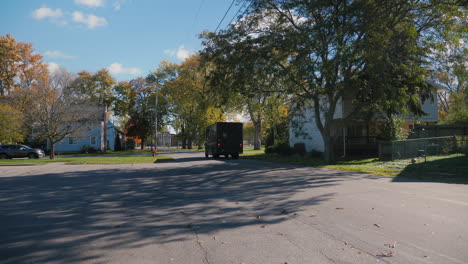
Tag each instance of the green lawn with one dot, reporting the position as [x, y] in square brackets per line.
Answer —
[88, 160]
[450, 168]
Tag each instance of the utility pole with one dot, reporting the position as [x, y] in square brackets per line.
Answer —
[156, 119]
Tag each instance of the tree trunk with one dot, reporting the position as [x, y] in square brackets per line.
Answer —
[52, 149]
[258, 135]
[184, 142]
[329, 153]
[142, 144]
[105, 130]
[189, 142]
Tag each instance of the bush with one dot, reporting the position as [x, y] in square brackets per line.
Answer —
[315, 154]
[84, 149]
[87, 149]
[299, 148]
[282, 148]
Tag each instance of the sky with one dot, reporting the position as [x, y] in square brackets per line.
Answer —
[128, 37]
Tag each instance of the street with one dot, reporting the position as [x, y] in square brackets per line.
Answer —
[207, 211]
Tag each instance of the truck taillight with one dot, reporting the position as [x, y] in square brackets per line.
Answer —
[240, 145]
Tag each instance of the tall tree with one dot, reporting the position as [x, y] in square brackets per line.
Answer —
[11, 124]
[20, 66]
[191, 101]
[325, 48]
[50, 114]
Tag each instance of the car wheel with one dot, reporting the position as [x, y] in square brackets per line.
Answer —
[3, 156]
[33, 156]
[215, 156]
[206, 154]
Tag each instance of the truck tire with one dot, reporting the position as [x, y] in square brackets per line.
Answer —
[235, 155]
[215, 156]
[206, 154]
[3, 156]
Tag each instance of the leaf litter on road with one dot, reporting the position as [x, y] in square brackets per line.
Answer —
[389, 254]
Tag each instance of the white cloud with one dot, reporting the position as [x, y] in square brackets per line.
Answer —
[45, 12]
[91, 21]
[90, 3]
[181, 53]
[117, 68]
[58, 54]
[53, 67]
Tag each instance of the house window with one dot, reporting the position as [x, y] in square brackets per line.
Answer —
[72, 140]
[93, 140]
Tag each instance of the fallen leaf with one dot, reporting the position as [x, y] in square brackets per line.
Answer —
[339, 208]
[389, 254]
[284, 212]
[237, 202]
[346, 243]
[214, 238]
[263, 226]
[359, 252]
[258, 217]
[189, 226]
[377, 225]
[312, 215]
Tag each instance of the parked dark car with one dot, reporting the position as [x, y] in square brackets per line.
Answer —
[20, 151]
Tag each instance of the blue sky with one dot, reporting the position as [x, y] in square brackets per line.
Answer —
[129, 37]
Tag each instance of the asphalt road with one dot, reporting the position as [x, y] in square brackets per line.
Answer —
[193, 210]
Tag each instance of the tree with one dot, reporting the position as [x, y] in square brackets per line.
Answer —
[50, 114]
[141, 112]
[244, 75]
[8, 63]
[191, 101]
[325, 47]
[95, 88]
[20, 66]
[11, 122]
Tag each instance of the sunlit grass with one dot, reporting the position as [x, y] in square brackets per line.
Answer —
[455, 166]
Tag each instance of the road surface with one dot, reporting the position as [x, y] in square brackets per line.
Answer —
[194, 210]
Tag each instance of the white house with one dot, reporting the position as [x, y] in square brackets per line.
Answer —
[303, 129]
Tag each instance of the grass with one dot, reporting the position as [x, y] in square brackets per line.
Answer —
[449, 168]
[87, 160]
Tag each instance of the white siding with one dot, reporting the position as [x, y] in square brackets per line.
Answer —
[303, 129]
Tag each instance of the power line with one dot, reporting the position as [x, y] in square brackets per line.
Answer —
[225, 14]
[243, 13]
[240, 7]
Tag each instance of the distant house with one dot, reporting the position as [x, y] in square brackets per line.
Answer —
[355, 136]
[91, 135]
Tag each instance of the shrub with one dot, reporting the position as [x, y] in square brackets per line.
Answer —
[84, 149]
[281, 147]
[299, 148]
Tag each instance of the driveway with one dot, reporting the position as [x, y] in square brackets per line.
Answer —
[194, 210]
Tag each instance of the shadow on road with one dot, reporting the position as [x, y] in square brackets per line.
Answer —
[51, 217]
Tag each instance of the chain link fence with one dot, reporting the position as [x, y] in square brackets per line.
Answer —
[422, 147]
